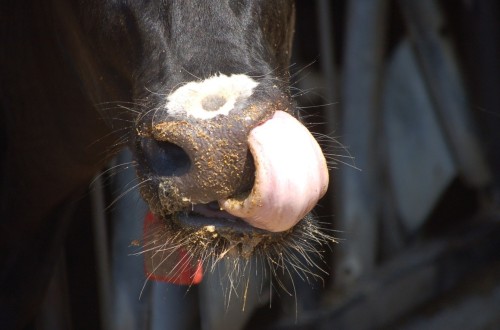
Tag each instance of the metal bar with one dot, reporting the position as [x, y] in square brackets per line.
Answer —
[358, 198]
[55, 312]
[132, 306]
[101, 249]
[327, 60]
[424, 21]
[328, 70]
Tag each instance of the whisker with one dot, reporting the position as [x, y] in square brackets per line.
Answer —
[120, 167]
[126, 192]
[318, 105]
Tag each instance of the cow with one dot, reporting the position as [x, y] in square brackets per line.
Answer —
[198, 90]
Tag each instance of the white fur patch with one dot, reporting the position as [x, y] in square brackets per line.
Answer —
[211, 97]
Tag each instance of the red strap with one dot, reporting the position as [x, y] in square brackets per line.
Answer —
[169, 267]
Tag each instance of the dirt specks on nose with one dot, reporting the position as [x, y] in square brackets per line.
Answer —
[217, 150]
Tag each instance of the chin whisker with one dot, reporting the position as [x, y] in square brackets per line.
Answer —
[295, 255]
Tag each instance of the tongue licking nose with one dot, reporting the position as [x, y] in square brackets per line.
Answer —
[291, 175]
[214, 123]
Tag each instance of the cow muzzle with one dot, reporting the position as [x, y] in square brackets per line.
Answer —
[226, 154]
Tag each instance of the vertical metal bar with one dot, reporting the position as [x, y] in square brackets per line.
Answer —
[55, 313]
[131, 307]
[139, 303]
[101, 249]
[327, 60]
[327, 63]
[424, 20]
[359, 206]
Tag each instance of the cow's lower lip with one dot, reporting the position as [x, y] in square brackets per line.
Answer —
[191, 220]
[209, 218]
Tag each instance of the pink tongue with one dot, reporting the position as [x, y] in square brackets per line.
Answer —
[291, 175]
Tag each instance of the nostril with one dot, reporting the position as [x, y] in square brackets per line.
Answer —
[165, 158]
[213, 102]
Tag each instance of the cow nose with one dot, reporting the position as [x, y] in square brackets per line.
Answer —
[199, 162]
[199, 150]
